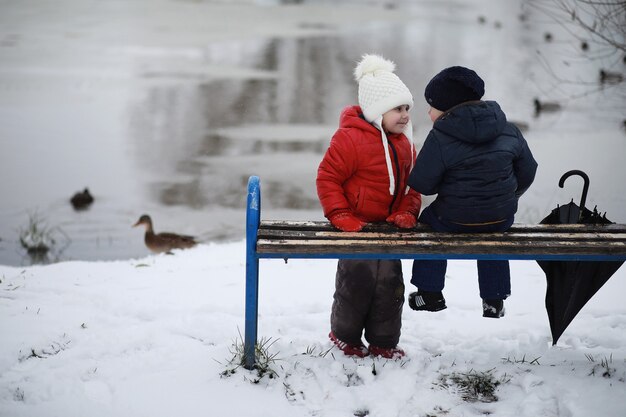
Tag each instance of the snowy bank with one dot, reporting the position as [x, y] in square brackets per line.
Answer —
[154, 337]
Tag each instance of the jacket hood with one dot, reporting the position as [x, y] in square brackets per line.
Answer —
[352, 117]
[476, 122]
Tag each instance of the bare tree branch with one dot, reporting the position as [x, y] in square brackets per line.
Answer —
[602, 19]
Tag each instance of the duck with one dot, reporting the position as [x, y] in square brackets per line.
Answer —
[82, 199]
[610, 77]
[163, 242]
[545, 106]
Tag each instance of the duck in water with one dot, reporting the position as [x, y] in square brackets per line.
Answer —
[545, 106]
[81, 200]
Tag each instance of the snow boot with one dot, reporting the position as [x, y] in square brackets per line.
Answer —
[493, 308]
[351, 350]
[427, 301]
[387, 353]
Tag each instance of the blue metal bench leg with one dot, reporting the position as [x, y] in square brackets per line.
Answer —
[253, 215]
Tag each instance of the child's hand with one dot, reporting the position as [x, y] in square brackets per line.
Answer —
[346, 222]
[402, 219]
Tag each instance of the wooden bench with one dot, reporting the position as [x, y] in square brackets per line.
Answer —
[319, 240]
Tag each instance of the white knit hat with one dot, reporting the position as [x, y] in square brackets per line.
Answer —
[380, 90]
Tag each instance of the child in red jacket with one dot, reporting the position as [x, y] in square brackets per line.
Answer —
[363, 178]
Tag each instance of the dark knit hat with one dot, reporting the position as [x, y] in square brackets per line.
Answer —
[452, 86]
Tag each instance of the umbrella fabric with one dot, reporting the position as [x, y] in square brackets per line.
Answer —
[571, 284]
[571, 213]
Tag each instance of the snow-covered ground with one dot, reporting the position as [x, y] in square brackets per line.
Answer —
[154, 336]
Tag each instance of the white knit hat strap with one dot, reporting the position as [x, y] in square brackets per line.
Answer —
[408, 132]
[392, 181]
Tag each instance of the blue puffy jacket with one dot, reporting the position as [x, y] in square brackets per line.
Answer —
[476, 162]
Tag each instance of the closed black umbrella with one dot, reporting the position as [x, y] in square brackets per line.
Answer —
[570, 284]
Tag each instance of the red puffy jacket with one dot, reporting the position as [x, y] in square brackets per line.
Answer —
[353, 175]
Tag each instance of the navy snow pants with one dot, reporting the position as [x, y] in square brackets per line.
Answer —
[494, 277]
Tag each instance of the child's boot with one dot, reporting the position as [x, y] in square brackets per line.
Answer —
[349, 349]
[427, 301]
[387, 353]
[493, 308]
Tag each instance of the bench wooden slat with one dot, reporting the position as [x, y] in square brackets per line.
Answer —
[445, 247]
[507, 236]
[319, 239]
[383, 227]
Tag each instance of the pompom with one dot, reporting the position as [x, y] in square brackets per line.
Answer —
[370, 64]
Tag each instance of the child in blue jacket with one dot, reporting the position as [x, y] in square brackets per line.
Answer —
[479, 165]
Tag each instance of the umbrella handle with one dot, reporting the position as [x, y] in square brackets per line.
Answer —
[585, 177]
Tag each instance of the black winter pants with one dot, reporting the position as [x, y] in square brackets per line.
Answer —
[369, 295]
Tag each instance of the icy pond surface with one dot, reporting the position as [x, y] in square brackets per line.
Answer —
[167, 108]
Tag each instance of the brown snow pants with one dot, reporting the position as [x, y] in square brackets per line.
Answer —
[369, 295]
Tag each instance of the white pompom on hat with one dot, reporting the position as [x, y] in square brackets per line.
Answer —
[380, 90]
